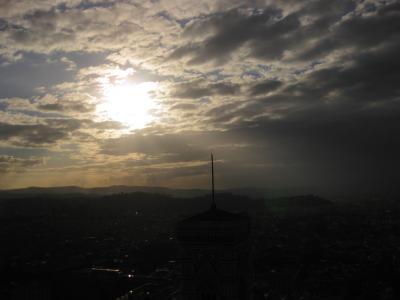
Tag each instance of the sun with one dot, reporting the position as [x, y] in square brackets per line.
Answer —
[130, 104]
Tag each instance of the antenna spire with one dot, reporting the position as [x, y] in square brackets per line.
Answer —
[213, 204]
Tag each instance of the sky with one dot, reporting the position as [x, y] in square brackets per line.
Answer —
[285, 93]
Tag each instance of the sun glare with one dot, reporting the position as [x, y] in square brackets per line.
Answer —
[130, 104]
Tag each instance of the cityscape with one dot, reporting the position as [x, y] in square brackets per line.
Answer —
[199, 150]
[124, 246]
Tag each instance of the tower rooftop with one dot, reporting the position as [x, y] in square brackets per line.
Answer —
[215, 214]
[214, 226]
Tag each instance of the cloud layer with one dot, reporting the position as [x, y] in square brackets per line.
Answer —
[286, 93]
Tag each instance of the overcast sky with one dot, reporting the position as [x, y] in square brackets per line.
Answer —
[286, 93]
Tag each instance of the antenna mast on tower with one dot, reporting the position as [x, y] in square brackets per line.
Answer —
[213, 204]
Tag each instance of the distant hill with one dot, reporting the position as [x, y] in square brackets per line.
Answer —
[304, 205]
[299, 201]
[118, 205]
[252, 192]
[124, 200]
[99, 191]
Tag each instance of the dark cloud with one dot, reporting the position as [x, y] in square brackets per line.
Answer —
[50, 132]
[359, 32]
[198, 89]
[268, 33]
[67, 106]
[231, 30]
[184, 106]
[226, 112]
[157, 176]
[390, 9]
[166, 145]
[364, 79]
[371, 76]
[12, 163]
[265, 87]
[107, 125]
[51, 107]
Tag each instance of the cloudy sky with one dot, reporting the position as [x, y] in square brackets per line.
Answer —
[286, 93]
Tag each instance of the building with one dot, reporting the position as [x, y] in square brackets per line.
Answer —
[215, 254]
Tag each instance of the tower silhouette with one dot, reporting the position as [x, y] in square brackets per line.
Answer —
[215, 253]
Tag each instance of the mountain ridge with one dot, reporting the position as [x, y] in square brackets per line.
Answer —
[252, 192]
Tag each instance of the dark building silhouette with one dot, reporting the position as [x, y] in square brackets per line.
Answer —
[215, 254]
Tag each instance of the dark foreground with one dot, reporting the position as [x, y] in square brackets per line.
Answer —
[123, 246]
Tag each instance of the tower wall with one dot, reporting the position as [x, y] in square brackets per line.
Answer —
[215, 257]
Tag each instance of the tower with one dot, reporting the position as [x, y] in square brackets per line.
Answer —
[215, 254]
